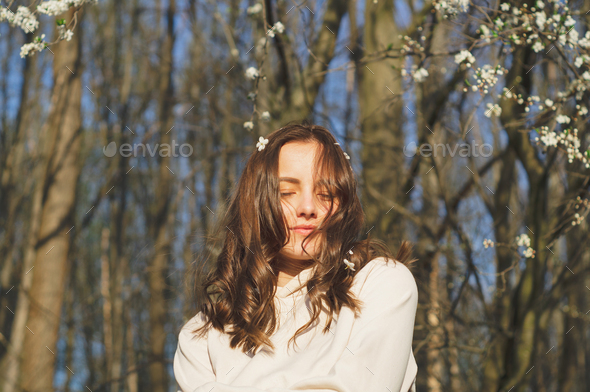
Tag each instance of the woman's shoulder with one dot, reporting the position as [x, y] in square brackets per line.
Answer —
[386, 269]
[385, 282]
[193, 323]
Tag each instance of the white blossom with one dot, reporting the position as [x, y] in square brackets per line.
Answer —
[53, 7]
[464, 55]
[64, 33]
[523, 240]
[451, 7]
[253, 10]
[485, 33]
[495, 110]
[585, 42]
[540, 20]
[420, 75]
[252, 73]
[23, 18]
[262, 142]
[529, 253]
[349, 265]
[505, 6]
[279, 27]
[68, 35]
[572, 36]
[249, 125]
[32, 47]
[538, 46]
[550, 139]
[563, 119]
[569, 21]
[265, 116]
[57, 7]
[487, 76]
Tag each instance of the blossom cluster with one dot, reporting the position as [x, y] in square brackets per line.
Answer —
[264, 116]
[522, 240]
[525, 241]
[410, 45]
[533, 26]
[493, 109]
[542, 26]
[465, 55]
[36, 46]
[27, 20]
[418, 74]
[486, 77]
[568, 138]
[23, 18]
[580, 203]
[64, 33]
[278, 27]
[451, 7]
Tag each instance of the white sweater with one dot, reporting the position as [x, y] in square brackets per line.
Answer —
[370, 353]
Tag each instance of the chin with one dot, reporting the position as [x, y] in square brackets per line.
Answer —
[300, 255]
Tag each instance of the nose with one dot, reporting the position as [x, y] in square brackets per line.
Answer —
[306, 206]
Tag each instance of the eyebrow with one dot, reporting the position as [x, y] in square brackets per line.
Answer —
[290, 179]
[293, 180]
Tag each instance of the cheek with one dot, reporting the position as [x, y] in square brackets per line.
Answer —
[288, 210]
[326, 208]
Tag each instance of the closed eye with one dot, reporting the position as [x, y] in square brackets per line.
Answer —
[291, 193]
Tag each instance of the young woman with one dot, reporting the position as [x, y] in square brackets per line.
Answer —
[292, 269]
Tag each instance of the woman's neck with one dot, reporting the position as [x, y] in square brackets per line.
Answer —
[289, 268]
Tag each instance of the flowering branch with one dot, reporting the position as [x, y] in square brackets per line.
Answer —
[27, 20]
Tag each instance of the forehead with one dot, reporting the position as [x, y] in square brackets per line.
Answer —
[297, 161]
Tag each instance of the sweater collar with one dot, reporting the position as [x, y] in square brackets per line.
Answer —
[295, 283]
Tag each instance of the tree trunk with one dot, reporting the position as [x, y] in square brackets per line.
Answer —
[299, 104]
[62, 149]
[380, 122]
[12, 154]
[157, 271]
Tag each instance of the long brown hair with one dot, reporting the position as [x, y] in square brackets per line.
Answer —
[238, 291]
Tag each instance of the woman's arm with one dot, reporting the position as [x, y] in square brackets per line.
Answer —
[192, 366]
[376, 357]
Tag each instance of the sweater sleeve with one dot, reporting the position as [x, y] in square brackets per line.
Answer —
[377, 354]
[191, 360]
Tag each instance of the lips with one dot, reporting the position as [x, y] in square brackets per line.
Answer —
[303, 229]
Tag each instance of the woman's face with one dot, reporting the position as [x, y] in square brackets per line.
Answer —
[302, 206]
